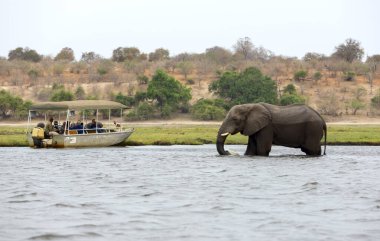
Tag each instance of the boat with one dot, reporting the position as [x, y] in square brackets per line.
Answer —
[68, 135]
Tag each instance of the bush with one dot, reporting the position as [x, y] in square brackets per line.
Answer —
[167, 92]
[300, 75]
[206, 109]
[143, 112]
[288, 99]
[317, 76]
[249, 86]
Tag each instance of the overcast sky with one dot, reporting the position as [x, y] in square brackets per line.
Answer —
[287, 27]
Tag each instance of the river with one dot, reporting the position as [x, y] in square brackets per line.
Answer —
[189, 193]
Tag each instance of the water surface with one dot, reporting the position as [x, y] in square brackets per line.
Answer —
[189, 193]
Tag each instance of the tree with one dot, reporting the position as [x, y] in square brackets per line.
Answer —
[80, 94]
[349, 51]
[313, 56]
[219, 55]
[12, 106]
[127, 54]
[24, 54]
[357, 103]
[244, 47]
[66, 54]
[60, 94]
[290, 96]
[185, 68]
[125, 100]
[159, 55]
[168, 92]
[300, 75]
[90, 57]
[206, 109]
[250, 86]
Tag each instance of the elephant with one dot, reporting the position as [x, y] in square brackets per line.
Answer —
[297, 126]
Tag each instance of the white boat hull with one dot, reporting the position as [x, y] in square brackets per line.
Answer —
[84, 140]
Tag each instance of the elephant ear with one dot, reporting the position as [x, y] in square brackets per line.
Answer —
[257, 118]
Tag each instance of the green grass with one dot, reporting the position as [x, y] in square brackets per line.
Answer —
[353, 134]
[206, 134]
[179, 135]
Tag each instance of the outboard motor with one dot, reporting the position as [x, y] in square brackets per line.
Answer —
[38, 135]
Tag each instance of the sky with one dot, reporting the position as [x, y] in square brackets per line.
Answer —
[288, 27]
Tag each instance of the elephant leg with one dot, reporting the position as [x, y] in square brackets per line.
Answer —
[251, 147]
[312, 147]
[264, 140]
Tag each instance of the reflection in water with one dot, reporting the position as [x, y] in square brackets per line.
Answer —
[188, 193]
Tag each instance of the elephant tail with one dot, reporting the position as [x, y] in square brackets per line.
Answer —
[325, 130]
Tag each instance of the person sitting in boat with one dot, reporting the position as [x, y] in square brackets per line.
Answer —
[78, 126]
[62, 128]
[96, 125]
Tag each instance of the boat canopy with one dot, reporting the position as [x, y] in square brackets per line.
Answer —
[78, 105]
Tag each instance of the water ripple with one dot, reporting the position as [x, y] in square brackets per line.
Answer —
[188, 193]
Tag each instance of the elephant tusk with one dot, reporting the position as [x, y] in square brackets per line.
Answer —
[225, 134]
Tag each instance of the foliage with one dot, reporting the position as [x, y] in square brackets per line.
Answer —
[249, 86]
[300, 75]
[104, 67]
[206, 109]
[244, 47]
[375, 101]
[159, 55]
[144, 111]
[317, 76]
[290, 96]
[373, 59]
[349, 51]
[219, 55]
[167, 91]
[185, 67]
[313, 56]
[140, 96]
[127, 54]
[24, 54]
[142, 79]
[357, 103]
[80, 94]
[125, 100]
[290, 89]
[13, 106]
[329, 103]
[33, 73]
[66, 54]
[289, 99]
[60, 94]
[90, 57]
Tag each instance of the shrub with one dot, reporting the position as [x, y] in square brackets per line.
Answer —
[288, 99]
[206, 109]
[300, 75]
[246, 87]
[317, 76]
[143, 112]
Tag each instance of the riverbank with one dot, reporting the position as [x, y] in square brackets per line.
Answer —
[195, 134]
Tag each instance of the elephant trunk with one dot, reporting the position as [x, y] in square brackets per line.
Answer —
[220, 142]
